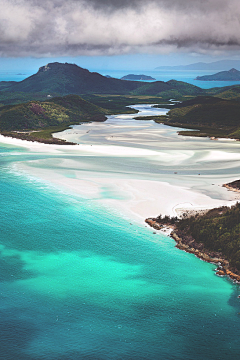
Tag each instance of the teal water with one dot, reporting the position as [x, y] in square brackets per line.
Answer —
[77, 281]
[188, 76]
[160, 75]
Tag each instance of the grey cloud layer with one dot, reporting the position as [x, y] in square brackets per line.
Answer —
[57, 27]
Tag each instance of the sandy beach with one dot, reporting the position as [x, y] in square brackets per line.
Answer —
[139, 168]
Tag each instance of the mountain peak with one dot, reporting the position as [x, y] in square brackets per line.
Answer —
[233, 70]
[58, 66]
[230, 75]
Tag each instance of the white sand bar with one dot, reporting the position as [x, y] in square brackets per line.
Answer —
[139, 167]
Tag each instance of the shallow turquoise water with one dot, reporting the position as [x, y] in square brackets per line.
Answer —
[77, 281]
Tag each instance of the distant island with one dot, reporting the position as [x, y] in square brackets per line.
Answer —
[230, 75]
[137, 77]
[219, 65]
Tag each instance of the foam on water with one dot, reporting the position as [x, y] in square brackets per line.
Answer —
[78, 281]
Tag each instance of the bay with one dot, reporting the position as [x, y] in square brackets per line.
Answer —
[81, 280]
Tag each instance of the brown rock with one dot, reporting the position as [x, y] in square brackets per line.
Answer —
[220, 273]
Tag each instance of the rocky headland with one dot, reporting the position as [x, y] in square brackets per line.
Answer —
[189, 244]
[233, 186]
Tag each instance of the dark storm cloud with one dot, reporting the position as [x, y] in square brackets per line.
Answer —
[94, 27]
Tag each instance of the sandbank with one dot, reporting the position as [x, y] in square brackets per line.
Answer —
[140, 168]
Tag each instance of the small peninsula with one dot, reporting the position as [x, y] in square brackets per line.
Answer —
[233, 186]
[212, 236]
[133, 77]
[230, 75]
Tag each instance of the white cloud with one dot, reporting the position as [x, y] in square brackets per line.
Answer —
[105, 27]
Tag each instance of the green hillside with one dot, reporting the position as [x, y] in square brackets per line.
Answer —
[211, 115]
[67, 78]
[6, 84]
[186, 88]
[20, 120]
[231, 75]
[170, 89]
[58, 79]
[153, 88]
[226, 92]
[208, 115]
[207, 111]
[213, 236]
[218, 230]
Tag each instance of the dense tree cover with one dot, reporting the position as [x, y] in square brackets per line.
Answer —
[218, 230]
[116, 104]
[217, 116]
[207, 111]
[230, 75]
[53, 112]
[62, 79]
[66, 79]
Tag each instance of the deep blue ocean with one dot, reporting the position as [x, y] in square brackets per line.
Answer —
[78, 281]
[188, 76]
[160, 75]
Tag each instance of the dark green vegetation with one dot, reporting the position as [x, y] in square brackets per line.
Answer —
[157, 118]
[211, 236]
[208, 115]
[63, 79]
[10, 98]
[170, 89]
[233, 185]
[215, 115]
[218, 230]
[116, 104]
[58, 79]
[137, 77]
[231, 75]
[42, 136]
[226, 92]
[6, 84]
[211, 115]
[47, 115]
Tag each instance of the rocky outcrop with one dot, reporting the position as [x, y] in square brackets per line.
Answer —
[154, 224]
[208, 256]
[233, 186]
[188, 244]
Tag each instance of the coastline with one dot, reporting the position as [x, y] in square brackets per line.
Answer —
[139, 195]
[130, 196]
[189, 245]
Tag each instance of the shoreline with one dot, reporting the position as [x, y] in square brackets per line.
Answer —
[192, 247]
[139, 196]
[27, 136]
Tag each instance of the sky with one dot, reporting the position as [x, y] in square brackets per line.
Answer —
[117, 33]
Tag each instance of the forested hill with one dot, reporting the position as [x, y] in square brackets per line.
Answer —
[230, 75]
[53, 112]
[206, 111]
[218, 230]
[62, 79]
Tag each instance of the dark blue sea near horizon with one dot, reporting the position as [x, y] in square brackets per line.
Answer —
[79, 282]
[188, 76]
